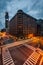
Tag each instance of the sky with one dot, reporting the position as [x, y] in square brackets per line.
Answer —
[31, 7]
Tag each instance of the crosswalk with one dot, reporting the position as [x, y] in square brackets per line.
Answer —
[32, 60]
[7, 59]
[30, 47]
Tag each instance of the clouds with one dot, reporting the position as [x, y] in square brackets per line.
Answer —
[26, 5]
[31, 7]
[13, 6]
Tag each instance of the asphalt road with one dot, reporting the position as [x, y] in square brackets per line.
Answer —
[20, 53]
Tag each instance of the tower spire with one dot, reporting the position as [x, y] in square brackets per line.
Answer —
[6, 20]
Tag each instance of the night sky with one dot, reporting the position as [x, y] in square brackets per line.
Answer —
[31, 7]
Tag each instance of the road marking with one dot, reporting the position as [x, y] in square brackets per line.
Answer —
[7, 59]
[32, 60]
[30, 47]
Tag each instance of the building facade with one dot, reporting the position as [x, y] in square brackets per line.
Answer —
[22, 24]
[40, 27]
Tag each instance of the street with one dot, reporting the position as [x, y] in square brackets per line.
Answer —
[17, 53]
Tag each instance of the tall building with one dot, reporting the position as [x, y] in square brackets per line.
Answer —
[40, 27]
[22, 24]
[6, 21]
[38, 30]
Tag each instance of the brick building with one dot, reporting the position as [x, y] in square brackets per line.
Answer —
[22, 24]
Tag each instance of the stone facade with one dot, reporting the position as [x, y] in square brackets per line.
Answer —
[22, 24]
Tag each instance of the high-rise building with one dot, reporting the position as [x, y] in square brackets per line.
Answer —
[22, 24]
[6, 21]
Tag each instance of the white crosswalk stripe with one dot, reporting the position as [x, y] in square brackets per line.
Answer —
[32, 60]
[7, 59]
[30, 47]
